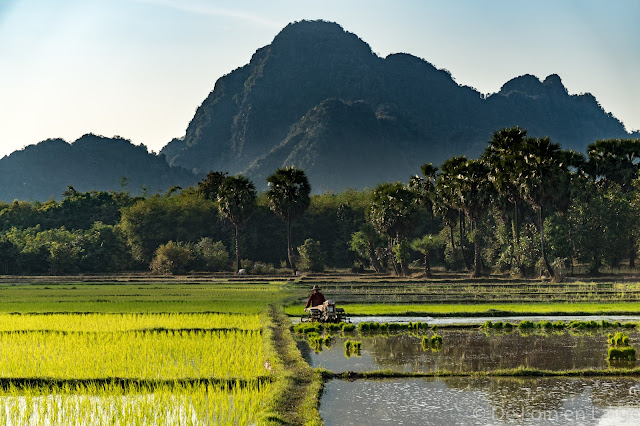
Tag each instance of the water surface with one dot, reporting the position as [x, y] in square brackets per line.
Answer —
[485, 401]
[469, 350]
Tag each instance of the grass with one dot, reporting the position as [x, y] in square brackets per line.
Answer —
[511, 372]
[141, 297]
[485, 309]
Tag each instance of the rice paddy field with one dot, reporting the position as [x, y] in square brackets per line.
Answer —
[135, 353]
[195, 350]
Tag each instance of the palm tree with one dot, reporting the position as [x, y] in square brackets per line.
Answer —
[236, 202]
[504, 157]
[425, 246]
[542, 179]
[392, 211]
[288, 197]
[475, 192]
[448, 203]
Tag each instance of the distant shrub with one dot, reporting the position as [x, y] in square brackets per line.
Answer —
[171, 258]
[212, 256]
[312, 257]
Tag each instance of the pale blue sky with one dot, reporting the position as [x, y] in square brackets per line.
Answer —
[140, 68]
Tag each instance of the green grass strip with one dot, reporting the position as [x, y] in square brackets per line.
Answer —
[484, 309]
[511, 372]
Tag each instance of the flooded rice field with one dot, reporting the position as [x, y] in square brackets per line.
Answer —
[482, 320]
[484, 401]
[469, 351]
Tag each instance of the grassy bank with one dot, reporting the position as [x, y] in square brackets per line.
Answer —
[484, 309]
[511, 372]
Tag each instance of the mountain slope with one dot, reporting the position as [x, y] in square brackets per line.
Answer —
[42, 171]
[254, 116]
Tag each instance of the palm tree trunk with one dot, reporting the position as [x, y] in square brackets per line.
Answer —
[396, 268]
[516, 231]
[453, 244]
[427, 265]
[477, 260]
[544, 254]
[462, 224]
[238, 265]
[374, 259]
[292, 262]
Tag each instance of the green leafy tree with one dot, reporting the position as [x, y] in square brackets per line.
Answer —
[312, 257]
[543, 180]
[212, 256]
[236, 202]
[504, 160]
[392, 212]
[616, 162]
[365, 242]
[288, 197]
[426, 245]
[172, 258]
[208, 187]
[466, 185]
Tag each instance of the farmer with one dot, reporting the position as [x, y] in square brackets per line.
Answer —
[316, 298]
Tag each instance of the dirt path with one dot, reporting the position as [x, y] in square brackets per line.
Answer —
[296, 398]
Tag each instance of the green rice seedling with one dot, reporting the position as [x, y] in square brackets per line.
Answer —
[625, 353]
[352, 347]
[436, 340]
[605, 324]
[546, 325]
[363, 326]
[334, 327]
[525, 325]
[426, 343]
[156, 355]
[629, 325]
[348, 327]
[617, 324]
[498, 325]
[559, 325]
[307, 327]
[618, 339]
[487, 324]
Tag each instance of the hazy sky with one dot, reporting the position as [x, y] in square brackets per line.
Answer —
[140, 68]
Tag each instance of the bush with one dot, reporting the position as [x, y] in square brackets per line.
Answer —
[212, 256]
[312, 257]
[258, 268]
[171, 258]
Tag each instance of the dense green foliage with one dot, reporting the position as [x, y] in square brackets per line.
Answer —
[525, 208]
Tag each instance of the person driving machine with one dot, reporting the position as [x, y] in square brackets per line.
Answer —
[315, 299]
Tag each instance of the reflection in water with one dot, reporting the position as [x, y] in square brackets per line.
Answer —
[470, 350]
[522, 401]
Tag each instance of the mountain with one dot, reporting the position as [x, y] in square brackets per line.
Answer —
[42, 171]
[318, 98]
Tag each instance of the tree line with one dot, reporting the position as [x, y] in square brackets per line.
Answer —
[525, 207]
